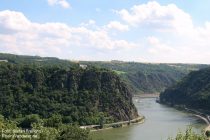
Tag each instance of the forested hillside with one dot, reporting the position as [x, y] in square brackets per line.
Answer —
[54, 97]
[36, 60]
[139, 77]
[147, 77]
[192, 91]
[79, 95]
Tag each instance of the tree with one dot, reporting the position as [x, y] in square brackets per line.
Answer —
[189, 135]
[54, 121]
[27, 121]
[73, 133]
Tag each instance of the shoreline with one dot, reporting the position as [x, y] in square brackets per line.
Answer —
[203, 116]
[147, 95]
[198, 114]
[95, 128]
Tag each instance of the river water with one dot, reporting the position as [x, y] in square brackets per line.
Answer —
[161, 122]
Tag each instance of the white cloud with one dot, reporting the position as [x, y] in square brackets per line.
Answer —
[179, 40]
[90, 22]
[164, 33]
[62, 3]
[156, 16]
[20, 35]
[190, 51]
[10, 24]
[158, 47]
[116, 25]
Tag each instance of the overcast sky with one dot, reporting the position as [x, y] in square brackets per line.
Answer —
[130, 30]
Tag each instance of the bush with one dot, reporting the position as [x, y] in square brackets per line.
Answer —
[208, 133]
[54, 121]
[29, 120]
[189, 135]
[73, 133]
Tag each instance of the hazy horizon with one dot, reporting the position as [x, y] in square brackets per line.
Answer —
[123, 61]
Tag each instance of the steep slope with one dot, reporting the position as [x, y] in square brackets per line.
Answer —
[79, 95]
[147, 77]
[192, 91]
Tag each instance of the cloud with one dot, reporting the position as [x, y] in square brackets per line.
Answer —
[158, 47]
[90, 22]
[12, 24]
[62, 3]
[20, 35]
[116, 25]
[154, 33]
[189, 51]
[170, 33]
[153, 15]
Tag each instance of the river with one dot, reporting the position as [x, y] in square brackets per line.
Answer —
[161, 122]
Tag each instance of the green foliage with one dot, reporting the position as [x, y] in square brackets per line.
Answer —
[208, 133]
[61, 132]
[52, 95]
[29, 120]
[147, 77]
[48, 133]
[37, 60]
[188, 135]
[77, 95]
[140, 77]
[73, 133]
[193, 91]
[54, 121]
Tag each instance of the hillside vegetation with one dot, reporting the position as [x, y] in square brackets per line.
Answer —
[139, 77]
[78, 95]
[56, 96]
[147, 77]
[192, 91]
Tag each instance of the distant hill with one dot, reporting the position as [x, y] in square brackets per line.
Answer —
[147, 77]
[36, 60]
[192, 91]
[139, 77]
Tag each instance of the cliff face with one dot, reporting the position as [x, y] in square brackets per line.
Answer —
[192, 91]
[81, 95]
[147, 77]
[111, 95]
[152, 82]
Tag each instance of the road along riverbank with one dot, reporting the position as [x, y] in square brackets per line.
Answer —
[93, 128]
[203, 116]
[161, 122]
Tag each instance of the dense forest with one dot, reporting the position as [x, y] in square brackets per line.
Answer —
[147, 77]
[139, 77]
[57, 96]
[78, 95]
[192, 91]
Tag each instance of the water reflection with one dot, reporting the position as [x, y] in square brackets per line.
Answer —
[161, 122]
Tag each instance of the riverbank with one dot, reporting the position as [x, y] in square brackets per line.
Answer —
[203, 116]
[93, 128]
[161, 122]
[147, 95]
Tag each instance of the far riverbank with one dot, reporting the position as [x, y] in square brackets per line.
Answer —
[201, 115]
[147, 95]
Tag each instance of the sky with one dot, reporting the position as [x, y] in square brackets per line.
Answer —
[161, 31]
